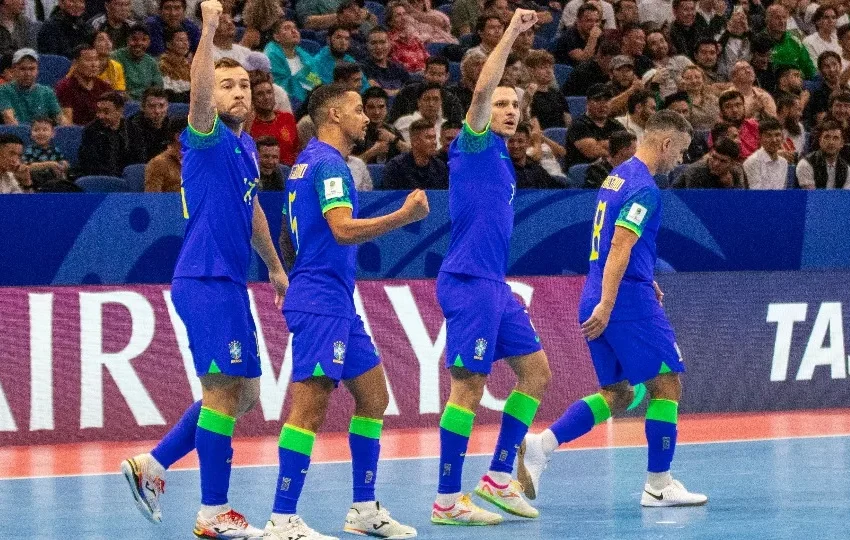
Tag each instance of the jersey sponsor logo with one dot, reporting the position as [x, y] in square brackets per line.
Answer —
[298, 171]
[480, 348]
[339, 352]
[636, 214]
[613, 182]
[235, 349]
[333, 188]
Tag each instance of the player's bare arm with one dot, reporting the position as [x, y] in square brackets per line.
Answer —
[615, 267]
[201, 103]
[348, 230]
[261, 241]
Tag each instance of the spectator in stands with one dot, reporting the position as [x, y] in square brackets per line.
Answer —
[141, 70]
[608, 15]
[115, 22]
[789, 80]
[622, 147]
[17, 31]
[789, 113]
[432, 25]
[732, 111]
[580, 41]
[292, 66]
[490, 29]
[839, 111]
[829, 67]
[436, 71]
[259, 62]
[45, 161]
[523, 45]
[717, 171]
[757, 102]
[339, 41]
[429, 108]
[684, 34]
[825, 38]
[360, 173]
[162, 173]
[260, 18]
[268, 153]
[382, 141]
[667, 68]
[106, 147]
[419, 168]
[594, 71]
[786, 48]
[548, 104]
[448, 133]
[704, 109]
[379, 69]
[529, 173]
[843, 34]
[623, 83]
[725, 130]
[405, 47]
[760, 60]
[464, 15]
[270, 122]
[734, 43]
[111, 70]
[825, 168]
[14, 175]
[78, 93]
[23, 99]
[641, 106]
[174, 66]
[678, 102]
[172, 16]
[706, 56]
[317, 14]
[634, 44]
[224, 41]
[65, 29]
[587, 139]
[711, 17]
[351, 75]
[765, 168]
[149, 128]
[470, 69]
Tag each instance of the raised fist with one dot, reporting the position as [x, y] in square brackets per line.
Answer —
[210, 12]
[416, 205]
[522, 20]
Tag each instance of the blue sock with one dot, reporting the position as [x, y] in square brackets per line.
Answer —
[455, 428]
[294, 449]
[212, 439]
[517, 416]
[180, 440]
[580, 418]
[661, 423]
[364, 439]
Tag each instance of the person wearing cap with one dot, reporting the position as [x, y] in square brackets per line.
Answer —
[641, 105]
[587, 139]
[16, 30]
[64, 29]
[22, 100]
[548, 104]
[257, 62]
[140, 69]
[623, 83]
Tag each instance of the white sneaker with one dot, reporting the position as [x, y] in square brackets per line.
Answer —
[144, 476]
[674, 494]
[295, 529]
[531, 463]
[508, 497]
[376, 522]
[230, 525]
[463, 512]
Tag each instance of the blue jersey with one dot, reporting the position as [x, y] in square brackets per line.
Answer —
[220, 175]
[322, 278]
[628, 198]
[482, 186]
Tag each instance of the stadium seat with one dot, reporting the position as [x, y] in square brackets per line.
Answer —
[446, 8]
[454, 72]
[67, 140]
[791, 182]
[52, 68]
[134, 176]
[178, 109]
[562, 73]
[310, 46]
[557, 134]
[378, 9]
[376, 171]
[675, 173]
[812, 85]
[312, 35]
[131, 108]
[435, 49]
[240, 32]
[576, 175]
[21, 130]
[101, 184]
[577, 105]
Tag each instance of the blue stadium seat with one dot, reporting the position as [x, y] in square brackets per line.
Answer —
[540, 42]
[557, 134]
[549, 30]
[240, 32]
[378, 9]
[577, 105]
[791, 182]
[446, 8]
[134, 176]
[101, 184]
[435, 49]
[312, 35]
[812, 85]
[807, 143]
[21, 130]
[576, 175]
[310, 46]
[454, 72]
[376, 171]
[178, 109]
[52, 68]
[562, 73]
[67, 140]
[675, 173]
[131, 108]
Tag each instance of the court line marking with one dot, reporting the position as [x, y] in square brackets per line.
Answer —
[477, 454]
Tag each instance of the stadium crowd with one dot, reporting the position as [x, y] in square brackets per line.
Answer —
[99, 88]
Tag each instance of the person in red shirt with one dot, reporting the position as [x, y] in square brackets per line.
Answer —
[732, 111]
[78, 93]
[269, 122]
[405, 48]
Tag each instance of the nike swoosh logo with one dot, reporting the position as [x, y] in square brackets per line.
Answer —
[153, 491]
[656, 497]
[503, 156]
[303, 471]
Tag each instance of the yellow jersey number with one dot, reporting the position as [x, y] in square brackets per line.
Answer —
[293, 221]
[598, 221]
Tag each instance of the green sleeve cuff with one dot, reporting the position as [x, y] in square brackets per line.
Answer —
[474, 133]
[629, 226]
[200, 140]
[339, 204]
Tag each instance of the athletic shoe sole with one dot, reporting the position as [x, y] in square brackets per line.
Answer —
[502, 506]
[128, 469]
[523, 476]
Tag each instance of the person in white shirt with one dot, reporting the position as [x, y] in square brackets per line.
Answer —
[223, 41]
[825, 39]
[765, 168]
[641, 106]
[429, 106]
[789, 112]
[825, 169]
[656, 11]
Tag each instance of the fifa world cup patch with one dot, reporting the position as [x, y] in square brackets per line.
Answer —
[235, 349]
[637, 213]
[339, 352]
[333, 188]
[480, 348]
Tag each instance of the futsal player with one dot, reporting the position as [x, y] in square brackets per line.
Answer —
[485, 322]
[220, 179]
[629, 337]
[318, 241]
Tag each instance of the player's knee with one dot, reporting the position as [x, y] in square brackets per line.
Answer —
[467, 388]
[536, 381]
[666, 386]
[622, 399]
[249, 397]
[374, 404]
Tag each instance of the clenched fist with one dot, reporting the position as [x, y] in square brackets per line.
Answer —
[210, 13]
[416, 206]
[522, 20]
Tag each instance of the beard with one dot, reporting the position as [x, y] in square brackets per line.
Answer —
[792, 126]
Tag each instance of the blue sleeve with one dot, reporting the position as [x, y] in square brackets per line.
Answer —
[470, 142]
[638, 209]
[334, 184]
[199, 141]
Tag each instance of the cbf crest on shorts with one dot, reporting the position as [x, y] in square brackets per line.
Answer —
[235, 349]
[339, 352]
[480, 348]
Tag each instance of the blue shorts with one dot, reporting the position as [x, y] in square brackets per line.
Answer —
[484, 322]
[217, 316]
[635, 351]
[334, 347]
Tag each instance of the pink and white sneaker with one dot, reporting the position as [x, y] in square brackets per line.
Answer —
[230, 525]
